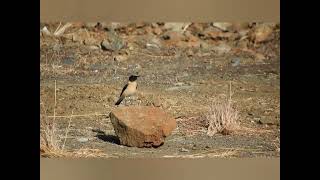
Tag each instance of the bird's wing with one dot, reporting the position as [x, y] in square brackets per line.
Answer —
[124, 88]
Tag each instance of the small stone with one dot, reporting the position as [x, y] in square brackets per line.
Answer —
[173, 36]
[204, 46]
[240, 26]
[262, 33]
[235, 62]
[157, 31]
[178, 27]
[154, 25]
[45, 31]
[120, 58]
[82, 140]
[157, 102]
[184, 150]
[90, 24]
[93, 47]
[223, 26]
[267, 121]
[222, 49]
[259, 57]
[148, 30]
[113, 43]
[189, 53]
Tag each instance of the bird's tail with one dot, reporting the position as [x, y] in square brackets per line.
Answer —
[119, 100]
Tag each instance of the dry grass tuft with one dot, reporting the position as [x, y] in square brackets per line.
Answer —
[52, 144]
[222, 117]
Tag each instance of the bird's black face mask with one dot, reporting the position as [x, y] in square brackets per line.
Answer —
[133, 78]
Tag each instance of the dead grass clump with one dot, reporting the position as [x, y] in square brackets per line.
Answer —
[52, 143]
[222, 117]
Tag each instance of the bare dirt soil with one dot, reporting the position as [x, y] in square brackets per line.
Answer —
[182, 81]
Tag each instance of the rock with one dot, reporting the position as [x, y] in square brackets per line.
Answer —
[153, 44]
[113, 42]
[177, 27]
[106, 45]
[80, 36]
[184, 150]
[90, 24]
[93, 47]
[189, 53]
[214, 33]
[235, 62]
[243, 33]
[204, 46]
[148, 30]
[240, 26]
[261, 33]
[173, 38]
[190, 37]
[156, 102]
[259, 57]
[120, 58]
[82, 140]
[115, 25]
[196, 27]
[268, 121]
[157, 31]
[154, 25]
[45, 31]
[142, 126]
[223, 26]
[222, 49]
[140, 24]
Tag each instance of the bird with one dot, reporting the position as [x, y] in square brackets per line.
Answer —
[129, 89]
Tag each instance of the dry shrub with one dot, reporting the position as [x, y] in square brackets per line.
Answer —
[222, 117]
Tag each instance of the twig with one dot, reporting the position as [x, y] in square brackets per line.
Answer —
[186, 26]
[57, 28]
[67, 131]
[61, 30]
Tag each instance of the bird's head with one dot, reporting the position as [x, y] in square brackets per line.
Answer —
[133, 78]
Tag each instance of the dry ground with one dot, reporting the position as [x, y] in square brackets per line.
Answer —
[88, 82]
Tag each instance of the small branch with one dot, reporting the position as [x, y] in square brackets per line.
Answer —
[67, 131]
[57, 28]
[186, 26]
[61, 30]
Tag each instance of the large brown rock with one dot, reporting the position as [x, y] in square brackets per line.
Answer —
[142, 126]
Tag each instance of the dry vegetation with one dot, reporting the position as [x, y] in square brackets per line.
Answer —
[181, 80]
[222, 116]
[52, 142]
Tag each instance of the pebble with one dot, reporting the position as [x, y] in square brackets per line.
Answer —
[82, 140]
[184, 150]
